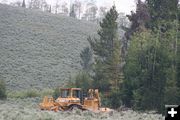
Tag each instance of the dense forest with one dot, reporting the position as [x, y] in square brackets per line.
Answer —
[141, 70]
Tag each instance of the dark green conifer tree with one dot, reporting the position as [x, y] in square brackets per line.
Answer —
[86, 59]
[107, 53]
[24, 4]
[162, 10]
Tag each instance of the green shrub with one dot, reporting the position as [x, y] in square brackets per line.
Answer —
[70, 83]
[83, 80]
[115, 99]
[46, 92]
[24, 94]
[56, 93]
[2, 90]
[31, 94]
[15, 94]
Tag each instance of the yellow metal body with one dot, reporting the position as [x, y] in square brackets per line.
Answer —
[70, 99]
[92, 102]
[48, 104]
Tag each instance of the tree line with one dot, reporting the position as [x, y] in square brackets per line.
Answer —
[77, 9]
[142, 69]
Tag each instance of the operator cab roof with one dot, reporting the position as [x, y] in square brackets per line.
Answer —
[70, 88]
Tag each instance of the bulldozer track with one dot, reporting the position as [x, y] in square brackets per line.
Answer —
[74, 106]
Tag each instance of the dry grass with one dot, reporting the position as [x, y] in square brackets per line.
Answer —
[27, 109]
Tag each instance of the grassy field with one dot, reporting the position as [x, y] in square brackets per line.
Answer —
[27, 109]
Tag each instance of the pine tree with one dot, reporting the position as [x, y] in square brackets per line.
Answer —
[146, 72]
[24, 4]
[103, 47]
[49, 9]
[139, 19]
[2, 90]
[178, 67]
[162, 10]
[83, 80]
[86, 59]
[107, 53]
[72, 12]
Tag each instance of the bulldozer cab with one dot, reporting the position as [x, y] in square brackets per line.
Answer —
[71, 93]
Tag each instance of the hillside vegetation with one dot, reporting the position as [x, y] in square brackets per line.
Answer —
[39, 50]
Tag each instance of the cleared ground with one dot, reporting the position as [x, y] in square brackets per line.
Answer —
[27, 109]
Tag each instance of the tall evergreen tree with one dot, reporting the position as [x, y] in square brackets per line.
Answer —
[178, 66]
[49, 9]
[139, 20]
[2, 90]
[86, 59]
[24, 4]
[107, 52]
[173, 83]
[72, 12]
[162, 10]
[146, 72]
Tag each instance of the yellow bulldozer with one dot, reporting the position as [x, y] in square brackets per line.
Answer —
[73, 98]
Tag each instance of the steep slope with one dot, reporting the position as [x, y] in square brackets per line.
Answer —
[39, 50]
